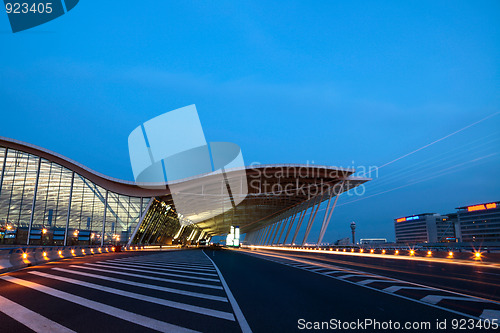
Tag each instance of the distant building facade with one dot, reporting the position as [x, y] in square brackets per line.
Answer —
[372, 241]
[477, 223]
[423, 228]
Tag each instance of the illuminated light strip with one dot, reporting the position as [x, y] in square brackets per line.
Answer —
[96, 306]
[144, 285]
[447, 260]
[30, 319]
[171, 304]
[120, 266]
[151, 277]
[401, 219]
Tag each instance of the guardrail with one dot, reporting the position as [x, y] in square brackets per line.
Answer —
[15, 258]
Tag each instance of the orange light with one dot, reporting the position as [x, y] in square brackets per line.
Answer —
[352, 250]
[100, 250]
[59, 252]
[343, 250]
[44, 230]
[450, 254]
[401, 219]
[44, 254]
[412, 252]
[92, 250]
[477, 255]
[361, 251]
[429, 253]
[25, 255]
[337, 250]
[112, 249]
[72, 251]
[397, 252]
[482, 207]
[9, 227]
[383, 251]
[331, 249]
[83, 251]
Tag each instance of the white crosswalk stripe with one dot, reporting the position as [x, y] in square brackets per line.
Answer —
[177, 305]
[150, 277]
[158, 296]
[30, 318]
[158, 268]
[144, 285]
[110, 310]
[126, 268]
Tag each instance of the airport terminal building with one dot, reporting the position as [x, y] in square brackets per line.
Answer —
[48, 199]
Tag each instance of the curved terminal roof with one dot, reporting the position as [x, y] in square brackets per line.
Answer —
[263, 192]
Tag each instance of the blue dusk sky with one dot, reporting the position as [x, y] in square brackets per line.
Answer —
[342, 83]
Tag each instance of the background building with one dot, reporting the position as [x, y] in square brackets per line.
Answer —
[479, 223]
[423, 228]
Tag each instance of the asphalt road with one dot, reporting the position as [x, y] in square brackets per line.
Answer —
[477, 279]
[223, 291]
[275, 295]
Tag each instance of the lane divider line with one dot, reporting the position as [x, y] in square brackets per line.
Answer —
[245, 328]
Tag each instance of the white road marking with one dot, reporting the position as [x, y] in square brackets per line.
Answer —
[351, 275]
[374, 280]
[435, 299]
[393, 289]
[120, 266]
[110, 310]
[245, 328]
[490, 314]
[266, 256]
[30, 319]
[151, 277]
[158, 268]
[170, 304]
[158, 264]
[144, 285]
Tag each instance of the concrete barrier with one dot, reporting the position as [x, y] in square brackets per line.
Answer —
[15, 258]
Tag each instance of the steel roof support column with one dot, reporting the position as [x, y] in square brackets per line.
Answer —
[140, 221]
[264, 232]
[34, 202]
[279, 225]
[291, 224]
[268, 240]
[263, 237]
[269, 234]
[300, 222]
[69, 209]
[285, 223]
[329, 212]
[311, 220]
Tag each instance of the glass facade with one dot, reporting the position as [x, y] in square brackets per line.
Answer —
[44, 203]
